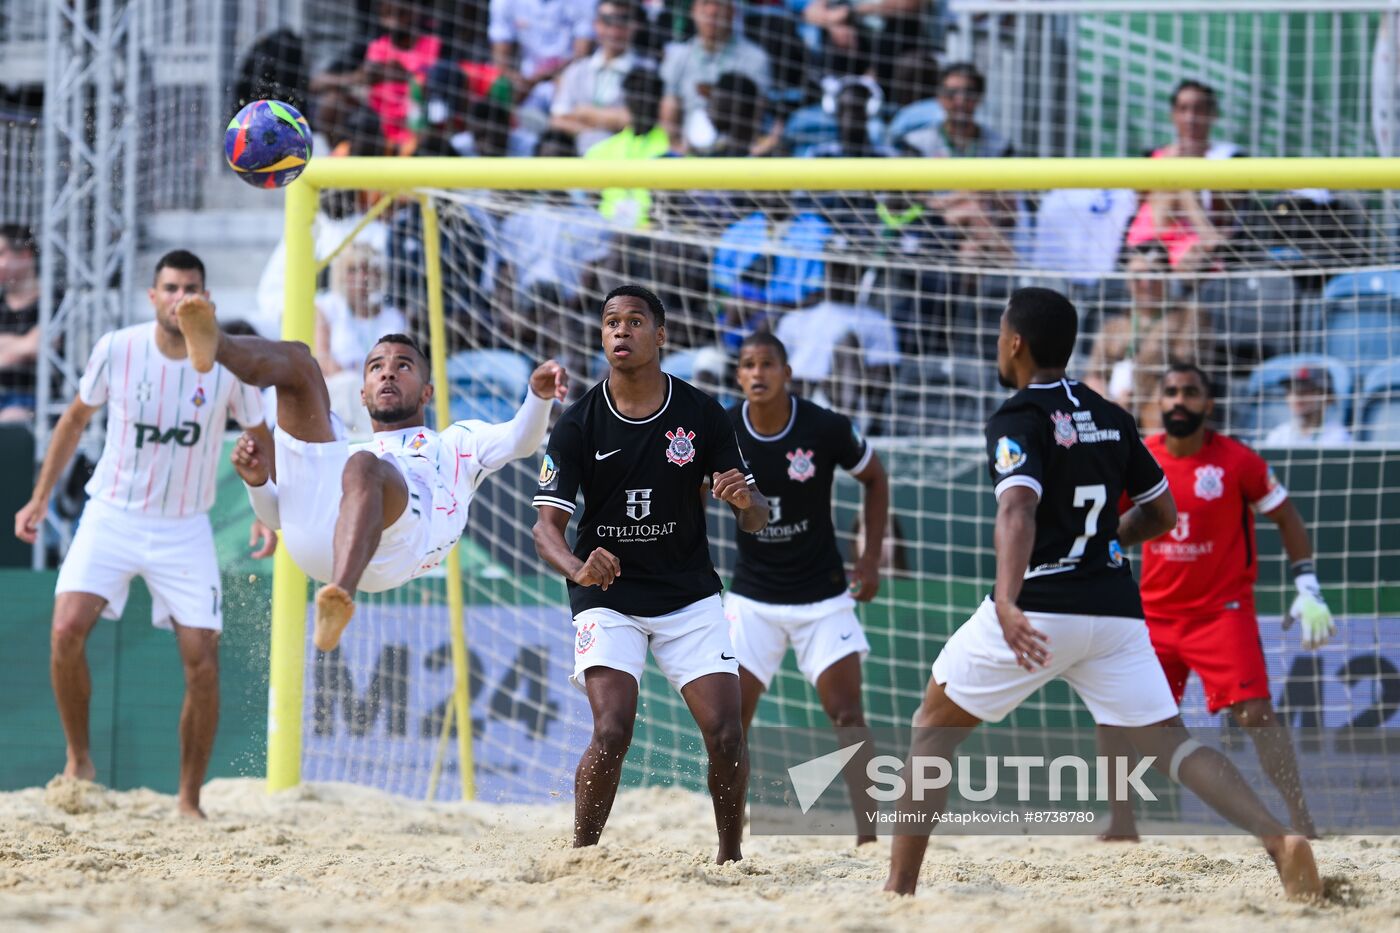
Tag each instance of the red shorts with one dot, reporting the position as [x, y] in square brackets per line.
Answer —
[1224, 649]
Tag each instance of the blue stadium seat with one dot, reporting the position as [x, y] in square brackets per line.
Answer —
[1252, 314]
[1362, 285]
[1362, 332]
[1263, 406]
[488, 385]
[1379, 416]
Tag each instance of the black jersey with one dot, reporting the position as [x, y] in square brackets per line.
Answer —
[642, 500]
[794, 560]
[1079, 453]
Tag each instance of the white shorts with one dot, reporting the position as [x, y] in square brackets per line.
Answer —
[821, 634]
[689, 643]
[1108, 660]
[308, 501]
[175, 556]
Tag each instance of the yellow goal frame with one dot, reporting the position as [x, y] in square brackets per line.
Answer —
[401, 176]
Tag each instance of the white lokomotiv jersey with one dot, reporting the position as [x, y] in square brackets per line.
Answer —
[165, 424]
[447, 468]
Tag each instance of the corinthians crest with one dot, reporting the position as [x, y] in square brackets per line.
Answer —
[1065, 433]
[680, 451]
[801, 465]
[1210, 482]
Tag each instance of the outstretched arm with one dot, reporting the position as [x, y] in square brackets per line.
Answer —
[521, 436]
[62, 445]
[252, 460]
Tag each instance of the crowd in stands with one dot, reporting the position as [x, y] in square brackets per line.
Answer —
[865, 287]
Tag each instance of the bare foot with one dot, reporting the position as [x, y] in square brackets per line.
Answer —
[334, 607]
[201, 331]
[1304, 824]
[864, 840]
[83, 769]
[1114, 834]
[723, 856]
[1296, 868]
[191, 811]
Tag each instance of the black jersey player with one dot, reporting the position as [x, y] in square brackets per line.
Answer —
[790, 585]
[640, 445]
[1065, 603]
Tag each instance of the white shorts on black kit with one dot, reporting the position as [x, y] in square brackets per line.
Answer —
[821, 634]
[689, 643]
[1108, 660]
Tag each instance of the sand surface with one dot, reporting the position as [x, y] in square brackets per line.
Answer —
[75, 856]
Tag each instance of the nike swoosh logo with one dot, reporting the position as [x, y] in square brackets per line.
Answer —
[847, 635]
[726, 657]
[598, 456]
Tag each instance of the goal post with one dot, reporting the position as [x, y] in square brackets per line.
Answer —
[940, 470]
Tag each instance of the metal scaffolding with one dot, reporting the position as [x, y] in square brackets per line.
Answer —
[89, 232]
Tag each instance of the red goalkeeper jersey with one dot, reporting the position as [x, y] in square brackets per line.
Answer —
[1208, 561]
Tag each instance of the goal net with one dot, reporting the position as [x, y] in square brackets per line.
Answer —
[886, 282]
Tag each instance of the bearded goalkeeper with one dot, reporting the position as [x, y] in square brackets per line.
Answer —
[1198, 582]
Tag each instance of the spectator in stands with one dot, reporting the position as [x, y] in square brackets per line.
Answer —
[1079, 231]
[401, 56]
[445, 129]
[840, 346]
[914, 90]
[642, 138]
[1309, 401]
[959, 133]
[350, 318]
[588, 101]
[19, 322]
[767, 260]
[690, 70]
[864, 36]
[1193, 225]
[532, 42]
[854, 103]
[735, 109]
[1133, 350]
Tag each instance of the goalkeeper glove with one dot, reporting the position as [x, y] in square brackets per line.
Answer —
[1310, 610]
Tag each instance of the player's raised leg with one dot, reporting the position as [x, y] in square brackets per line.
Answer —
[199, 716]
[74, 616]
[612, 696]
[373, 496]
[939, 726]
[303, 404]
[715, 703]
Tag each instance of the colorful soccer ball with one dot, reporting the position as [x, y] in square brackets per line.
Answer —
[268, 144]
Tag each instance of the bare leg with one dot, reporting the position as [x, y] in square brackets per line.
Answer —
[1275, 751]
[199, 717]
[612, 695]
[1216, 781]
[715, 703]
[303, 404]
[373, 497]
[750, 692]
[74, 616]
[839, 689]
[1122, 823]
[939, 725]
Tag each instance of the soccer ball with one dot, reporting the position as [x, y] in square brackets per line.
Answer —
[268, 144]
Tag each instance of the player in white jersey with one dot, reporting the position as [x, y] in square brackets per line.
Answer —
[367, 516]
[147, 513]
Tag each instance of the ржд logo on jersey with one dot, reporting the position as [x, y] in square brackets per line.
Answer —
[801, 466]
[186, 434]
[681, 450]
[1210, 482]
[1066, 435]
[638, 504]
